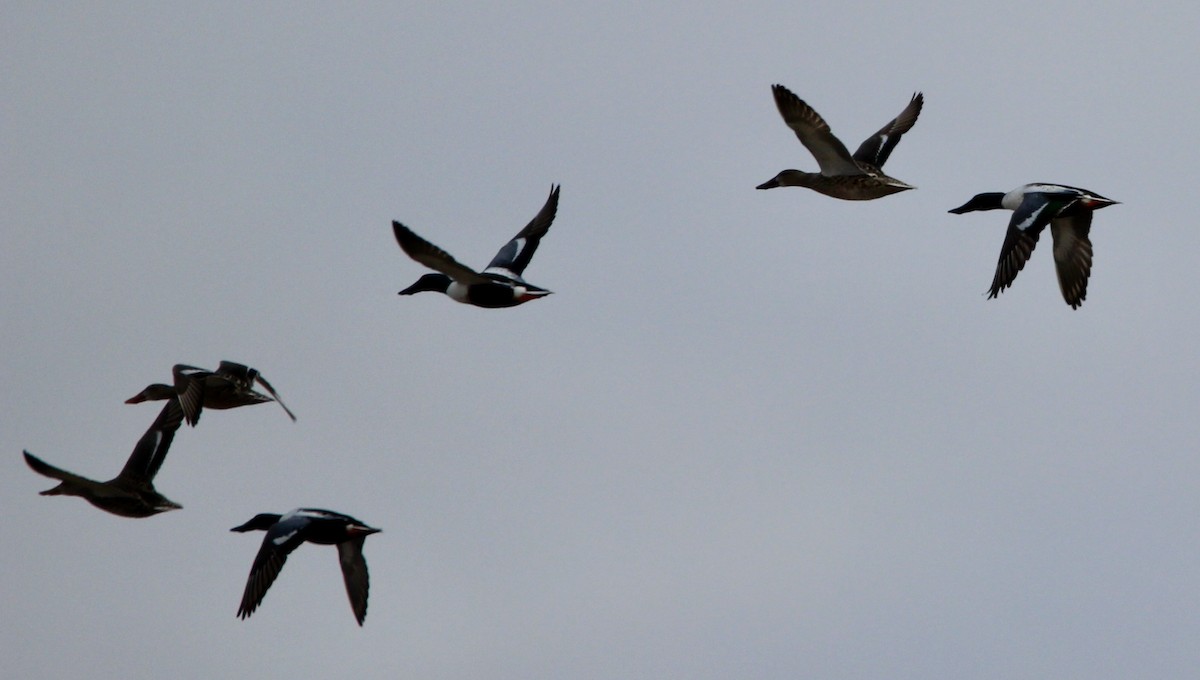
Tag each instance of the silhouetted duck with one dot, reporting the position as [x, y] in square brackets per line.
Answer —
[854, 178]
[230, 386]
[1068, 211]
[286, 532]
[500, 285]
[131, 493]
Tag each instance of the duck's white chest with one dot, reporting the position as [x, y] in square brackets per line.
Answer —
[1012, 200]
[457, 291]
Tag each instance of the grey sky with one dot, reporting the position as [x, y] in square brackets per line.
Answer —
[755, 434]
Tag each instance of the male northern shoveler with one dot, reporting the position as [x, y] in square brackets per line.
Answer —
[1068, 211]
[230, 386]
[500, 284]
[854, 178]
[131, 493]
[286, 532]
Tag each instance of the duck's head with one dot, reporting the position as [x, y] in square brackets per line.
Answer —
[260, 522]
[434, 283]
[988, 201]
[155, 392]
[787, 178]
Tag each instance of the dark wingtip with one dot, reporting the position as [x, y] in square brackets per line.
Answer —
[401, 232]
[33, 461]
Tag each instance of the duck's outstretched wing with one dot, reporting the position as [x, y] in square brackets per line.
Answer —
[434, 257]
[151, 450]
[274, 395]
[876, 149]
[70, 478]
[814, 133]
[190, 386]
[282, 538]
[1073, 255]
[244, 378]
[1026, 225]
[354, 572]
[512, 259]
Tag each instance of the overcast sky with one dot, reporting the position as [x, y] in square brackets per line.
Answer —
[753, 434]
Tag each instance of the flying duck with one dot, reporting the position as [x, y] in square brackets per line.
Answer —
[286, 532]
[230, 386]
[131, 493]
[1068, 211]
[500, 284]
[854, 178]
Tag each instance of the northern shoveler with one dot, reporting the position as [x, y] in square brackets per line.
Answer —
[286, 532]
[1068, 211]
[854, 178]
[500, 284]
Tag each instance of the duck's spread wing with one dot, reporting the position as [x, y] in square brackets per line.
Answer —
[281, 539]
[876, 149]
[43, 468]
[1026, 225]
[274, 395]
[434, 257]
[1073, 255]
[151, 450]
[354, 572]
[512, 259]
[814, 133]
[189, 386]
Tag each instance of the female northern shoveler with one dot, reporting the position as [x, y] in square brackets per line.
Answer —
[131, 493]
[230, 386]
[854, 178]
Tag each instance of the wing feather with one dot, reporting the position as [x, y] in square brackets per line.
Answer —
[354, 573]
[1073, 255]
[878, 147]
[434, 257]
[814, 133]
[511, 261]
